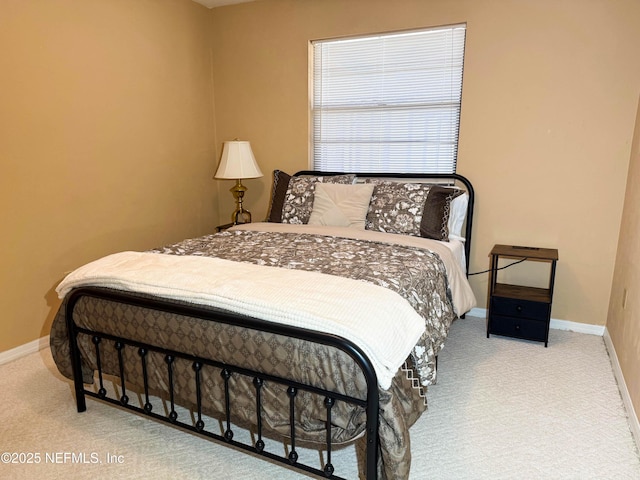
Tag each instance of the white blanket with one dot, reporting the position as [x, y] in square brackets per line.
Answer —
[379, 321]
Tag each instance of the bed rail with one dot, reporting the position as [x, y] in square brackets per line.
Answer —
[259, 379]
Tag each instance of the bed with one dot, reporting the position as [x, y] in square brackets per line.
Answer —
[320, 326]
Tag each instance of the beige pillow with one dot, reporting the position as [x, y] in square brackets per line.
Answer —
[341, 205]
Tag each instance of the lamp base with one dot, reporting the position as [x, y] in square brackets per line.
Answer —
[240, 215]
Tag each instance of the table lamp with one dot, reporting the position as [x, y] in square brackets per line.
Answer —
[238, 162]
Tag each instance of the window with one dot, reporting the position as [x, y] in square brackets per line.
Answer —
[388, 103]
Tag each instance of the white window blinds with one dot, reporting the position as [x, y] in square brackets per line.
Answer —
[388, 103]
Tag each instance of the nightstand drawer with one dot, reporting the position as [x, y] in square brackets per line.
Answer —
[519, 327]
[519, 308]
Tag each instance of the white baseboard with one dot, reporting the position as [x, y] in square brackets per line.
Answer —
[634, 425]
[577, 327]
[555, 324]
[478, 312]
[24, 350]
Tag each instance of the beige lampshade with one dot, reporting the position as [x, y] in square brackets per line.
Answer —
[237, 161]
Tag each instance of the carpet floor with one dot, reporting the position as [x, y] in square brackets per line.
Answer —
[502, 409]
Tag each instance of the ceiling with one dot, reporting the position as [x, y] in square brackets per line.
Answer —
[219, 3]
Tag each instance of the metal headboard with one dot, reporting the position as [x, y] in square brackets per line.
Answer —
[449, 178]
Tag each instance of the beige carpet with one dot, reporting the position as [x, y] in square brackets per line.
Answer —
[502, 409]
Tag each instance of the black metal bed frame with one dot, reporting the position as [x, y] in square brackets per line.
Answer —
[227, 371]
[371, 404]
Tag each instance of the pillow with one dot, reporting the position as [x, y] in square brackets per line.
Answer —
[298, 201]
[437, 209]
[341, 205]
[457, 216]
[418, 209]
[278, 193]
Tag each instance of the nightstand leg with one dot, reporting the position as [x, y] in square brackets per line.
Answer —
[492, 284]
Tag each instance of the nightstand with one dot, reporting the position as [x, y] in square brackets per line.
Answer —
[220, 228]
[517, 310]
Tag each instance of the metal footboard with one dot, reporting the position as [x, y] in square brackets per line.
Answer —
[258, 379]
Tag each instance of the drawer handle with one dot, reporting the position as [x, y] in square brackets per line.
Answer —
[519, 308]
[517, 328]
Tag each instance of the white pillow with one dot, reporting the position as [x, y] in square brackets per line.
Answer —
[341, 205]
[457, 215]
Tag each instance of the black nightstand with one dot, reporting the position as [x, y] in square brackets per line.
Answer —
[220, 228]
[516, 310]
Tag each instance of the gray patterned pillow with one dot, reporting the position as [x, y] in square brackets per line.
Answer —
[417, 209]
[298, 201]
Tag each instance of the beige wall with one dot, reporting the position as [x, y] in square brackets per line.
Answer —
[106, 140]
[549, 102]
[624, 316]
